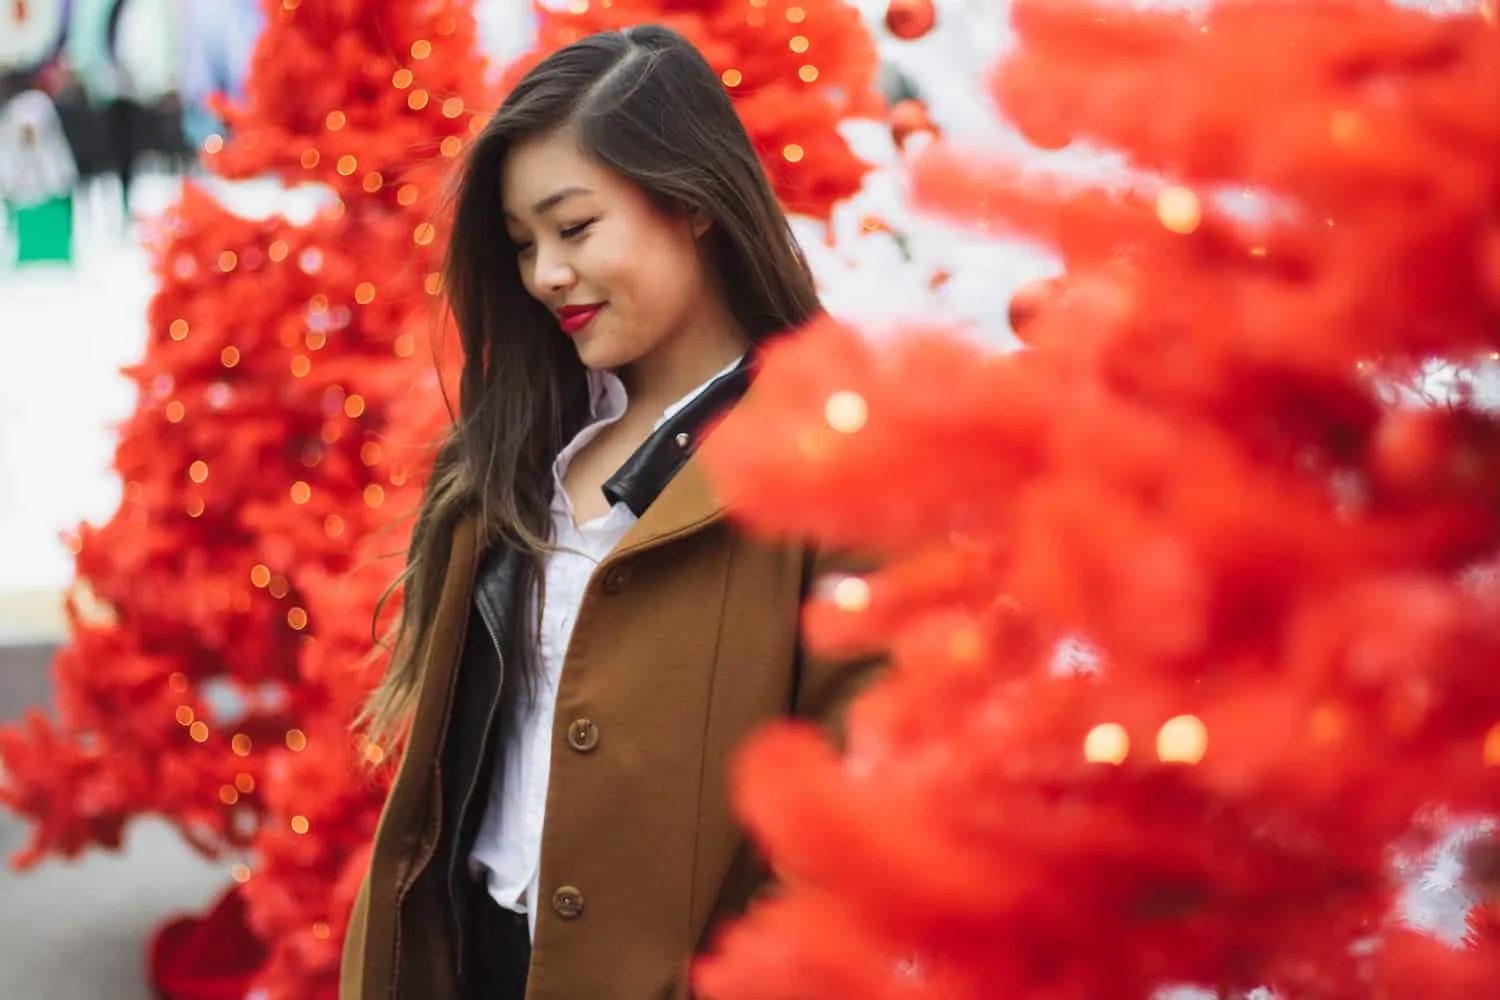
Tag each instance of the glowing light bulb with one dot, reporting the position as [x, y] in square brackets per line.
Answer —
[1492, 746]
[851, 594]
[1107, 743]
[1178, 209]
[846, 411]
[1182, 740]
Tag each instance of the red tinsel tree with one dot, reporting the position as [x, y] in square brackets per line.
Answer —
[1209, 469]
[221, 620]
[795, 68]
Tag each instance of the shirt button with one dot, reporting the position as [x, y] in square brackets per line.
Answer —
[583, 735]
[616, 579]
[567, 902]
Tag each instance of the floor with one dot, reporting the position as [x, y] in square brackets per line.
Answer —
[77, 931]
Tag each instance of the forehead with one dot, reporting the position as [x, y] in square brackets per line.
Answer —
[537, 168]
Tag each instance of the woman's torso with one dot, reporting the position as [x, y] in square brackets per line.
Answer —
[684, 640]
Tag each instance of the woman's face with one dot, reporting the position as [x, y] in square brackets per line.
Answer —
[623, 278]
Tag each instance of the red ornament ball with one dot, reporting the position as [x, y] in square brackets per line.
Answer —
[907, 118]
[1029, 300]
[910, 19]
[1046, 132]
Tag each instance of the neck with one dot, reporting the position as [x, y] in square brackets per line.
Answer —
[681, 364]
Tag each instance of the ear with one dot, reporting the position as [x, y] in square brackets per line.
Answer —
[702, 223]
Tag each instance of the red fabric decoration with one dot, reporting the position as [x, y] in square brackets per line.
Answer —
[1283, 579]
[795, 68]
[214, 957]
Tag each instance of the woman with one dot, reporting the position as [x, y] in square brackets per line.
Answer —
[585, 638]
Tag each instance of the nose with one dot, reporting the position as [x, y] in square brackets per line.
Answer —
[553, 273]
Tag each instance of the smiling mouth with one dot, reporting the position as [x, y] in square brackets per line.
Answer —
[573, 319]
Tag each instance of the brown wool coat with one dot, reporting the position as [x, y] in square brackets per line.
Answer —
[691, 646]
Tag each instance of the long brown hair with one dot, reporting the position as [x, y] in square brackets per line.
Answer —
[644, 103]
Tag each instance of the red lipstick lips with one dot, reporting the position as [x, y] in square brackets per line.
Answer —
[573, 319]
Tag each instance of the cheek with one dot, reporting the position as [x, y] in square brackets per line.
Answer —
[660, 274]
[526, 271]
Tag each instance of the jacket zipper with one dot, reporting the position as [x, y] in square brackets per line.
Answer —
[463, 812]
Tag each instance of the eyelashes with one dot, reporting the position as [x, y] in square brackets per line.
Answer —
[568, 233]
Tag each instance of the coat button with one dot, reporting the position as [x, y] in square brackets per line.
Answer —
[683, 440]
[567, 902]
[616, 579]
[583, 735]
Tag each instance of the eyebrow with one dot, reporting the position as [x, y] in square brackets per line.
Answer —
[554, 199]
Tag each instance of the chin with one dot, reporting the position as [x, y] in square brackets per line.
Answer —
[603, 353]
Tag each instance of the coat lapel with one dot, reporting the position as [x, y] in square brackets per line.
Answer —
[686, 504]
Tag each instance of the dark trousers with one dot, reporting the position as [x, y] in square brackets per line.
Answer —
[123, 124]
[501, 952]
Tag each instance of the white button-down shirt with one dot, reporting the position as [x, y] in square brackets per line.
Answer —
[508, 850]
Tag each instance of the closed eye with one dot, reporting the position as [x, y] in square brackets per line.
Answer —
[573, 232]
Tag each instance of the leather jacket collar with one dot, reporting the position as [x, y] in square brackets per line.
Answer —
[647, 472]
